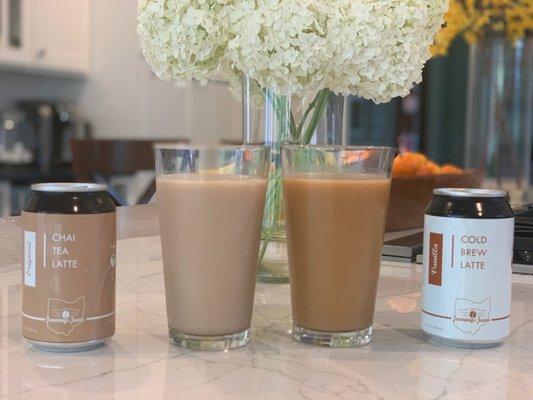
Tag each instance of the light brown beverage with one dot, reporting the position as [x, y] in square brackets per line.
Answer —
[335, 227]
[210, 234]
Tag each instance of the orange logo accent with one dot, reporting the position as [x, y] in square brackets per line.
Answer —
[435, 259]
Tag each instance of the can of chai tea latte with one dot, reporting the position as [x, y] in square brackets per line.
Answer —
[468, 249]
[68, 275]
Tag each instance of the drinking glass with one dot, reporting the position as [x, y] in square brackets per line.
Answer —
[336, 206]
[210, 201]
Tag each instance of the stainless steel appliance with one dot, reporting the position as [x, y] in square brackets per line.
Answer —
[55, 124]
[35, 146]
[17, 138]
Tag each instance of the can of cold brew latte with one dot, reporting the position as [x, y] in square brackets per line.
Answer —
[468, 249]
[68, 274]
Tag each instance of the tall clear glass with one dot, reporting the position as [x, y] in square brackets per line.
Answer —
[336, 201]
[210, 202]
[500, 114]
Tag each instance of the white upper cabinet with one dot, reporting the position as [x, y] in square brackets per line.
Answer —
[61, 34]
[14, 31]
[46, 35]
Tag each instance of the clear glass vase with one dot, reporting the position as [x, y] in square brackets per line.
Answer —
[500, 113]
[274, 120]
[328, 128]
[266, 117]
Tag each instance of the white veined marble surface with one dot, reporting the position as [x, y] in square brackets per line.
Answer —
[140, 363]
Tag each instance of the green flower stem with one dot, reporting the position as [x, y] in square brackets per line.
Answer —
[294, 130]
[321, 100]
[304, 117]
[266, 240]
[272, 206]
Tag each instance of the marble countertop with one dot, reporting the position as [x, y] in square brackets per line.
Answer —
[140, 363]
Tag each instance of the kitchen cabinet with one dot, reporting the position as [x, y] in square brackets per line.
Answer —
[14, 31]
[51, 36]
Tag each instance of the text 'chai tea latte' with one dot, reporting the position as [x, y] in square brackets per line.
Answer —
[68, 276]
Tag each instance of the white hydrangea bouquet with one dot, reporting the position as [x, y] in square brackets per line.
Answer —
[374, 49]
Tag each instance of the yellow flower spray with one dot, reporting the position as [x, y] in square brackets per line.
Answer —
[475, 18]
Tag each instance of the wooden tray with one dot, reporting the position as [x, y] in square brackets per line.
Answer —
[410, 195]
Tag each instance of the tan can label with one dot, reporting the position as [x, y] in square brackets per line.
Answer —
[68, 277]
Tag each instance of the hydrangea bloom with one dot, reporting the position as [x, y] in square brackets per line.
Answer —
[372, 48]
[182, 39]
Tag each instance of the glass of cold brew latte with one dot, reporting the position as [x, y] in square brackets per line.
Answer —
[210, 202]
[336, 200]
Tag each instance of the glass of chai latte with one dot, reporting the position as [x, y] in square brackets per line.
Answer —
[210, 202]
[336, 200]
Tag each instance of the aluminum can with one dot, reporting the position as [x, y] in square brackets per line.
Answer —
[68, 274]
[468, 248]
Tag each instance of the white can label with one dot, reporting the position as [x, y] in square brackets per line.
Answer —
[466, 292]
[29, 258]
